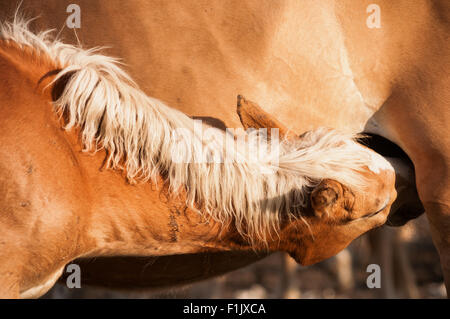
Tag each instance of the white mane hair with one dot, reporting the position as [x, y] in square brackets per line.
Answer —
[136, 131]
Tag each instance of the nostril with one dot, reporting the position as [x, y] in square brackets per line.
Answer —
[377, 202]
[386, 203]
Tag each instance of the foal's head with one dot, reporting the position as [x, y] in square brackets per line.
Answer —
[335, 214]
[340, 203]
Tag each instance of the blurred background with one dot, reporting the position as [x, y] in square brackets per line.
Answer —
[408, 260]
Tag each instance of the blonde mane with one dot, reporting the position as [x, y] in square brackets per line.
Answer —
[137, 132]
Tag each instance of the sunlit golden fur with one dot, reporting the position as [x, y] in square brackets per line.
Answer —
[308, 63]
[137, 132]
[58, 204]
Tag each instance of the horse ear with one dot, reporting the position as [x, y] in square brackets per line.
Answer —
[253, 116]
[325, 197]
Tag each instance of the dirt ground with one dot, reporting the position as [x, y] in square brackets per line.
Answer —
[263, 279]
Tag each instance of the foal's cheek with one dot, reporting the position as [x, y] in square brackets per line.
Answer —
[328, 240]
[317, 254]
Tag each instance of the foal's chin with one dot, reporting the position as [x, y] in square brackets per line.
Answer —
[328, 241]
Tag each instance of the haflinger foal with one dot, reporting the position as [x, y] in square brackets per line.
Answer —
[92, 167]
